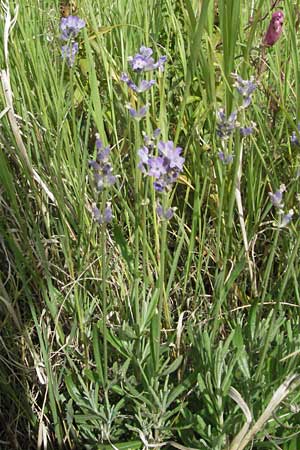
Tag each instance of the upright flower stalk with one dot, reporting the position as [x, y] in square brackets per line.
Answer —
[162, 162]
[104, 179]
[225, 129]
[141, 63]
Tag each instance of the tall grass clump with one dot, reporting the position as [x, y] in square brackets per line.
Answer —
[149, 226]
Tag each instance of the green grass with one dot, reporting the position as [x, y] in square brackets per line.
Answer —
[145, 333]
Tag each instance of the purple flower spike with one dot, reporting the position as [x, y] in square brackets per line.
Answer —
[244, 88]
[286, 219]
[226, 159]
[138, 114]
[274, 30]
[142, 87]
[226, 126]
[164, 214]
[107, 214]
[276, 197]
[149, 141]
[124, 77]
[70, 27]
[144, 62]
[160, 63]
[143, 154]
[247, 131]
[145, 85]
[105, 217]
[167, 150]
[103, 172]
[156, 167]
[156, 132]
[165, 168]
[99, 143]
[69, 52]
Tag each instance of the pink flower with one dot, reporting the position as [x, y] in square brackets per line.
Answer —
[275, 29]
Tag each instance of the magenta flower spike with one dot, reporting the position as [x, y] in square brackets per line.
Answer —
[275, 29]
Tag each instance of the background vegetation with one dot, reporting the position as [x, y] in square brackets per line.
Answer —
[147, 333]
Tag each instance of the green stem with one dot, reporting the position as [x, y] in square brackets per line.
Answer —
[104, 293]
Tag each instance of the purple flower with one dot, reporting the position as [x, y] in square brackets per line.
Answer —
[246, 131]
[226, 159]
[70, 27]
[165, 167]
[143, 86]
[168, 151]
[226, 125]
[156, 167]
[138, 114]
[244, 88]
[103, 172]
[69, 52]
[294, 137]
[156, 132]
[274, 30]
[102, 217]
[286, 219]
[160, 63]
[276, 197]
[143, 154]
[164, 214]
[144, 62]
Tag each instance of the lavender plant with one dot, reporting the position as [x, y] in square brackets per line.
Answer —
[149, 328]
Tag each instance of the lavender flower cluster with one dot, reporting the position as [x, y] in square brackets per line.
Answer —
[163, 168]
[159, 160]
[103, 178]
[245, 88]
[277, 201]
[70, 27]
[226, 125]
[142, 62]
